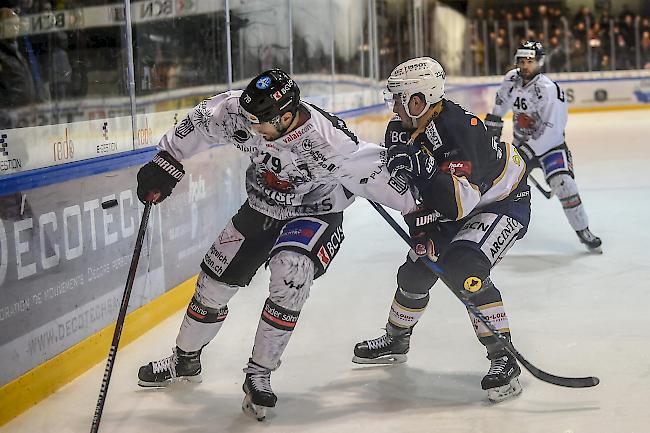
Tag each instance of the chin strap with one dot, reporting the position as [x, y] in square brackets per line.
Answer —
[425, 117]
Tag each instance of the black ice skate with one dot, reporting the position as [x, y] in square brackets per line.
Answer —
[257, 387]
[390, 348]
[179, 366]
[591, 241]
[501, 381]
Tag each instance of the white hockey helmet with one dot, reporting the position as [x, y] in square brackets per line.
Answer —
[531, 50]
[420, 75]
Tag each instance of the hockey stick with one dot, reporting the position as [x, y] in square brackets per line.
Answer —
[119, 324]
[502, 340]
[540, 188]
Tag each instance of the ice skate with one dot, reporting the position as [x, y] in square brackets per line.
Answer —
[591, 241]
[390, 348]
[501, 382]
[179, 366]
[257, 387]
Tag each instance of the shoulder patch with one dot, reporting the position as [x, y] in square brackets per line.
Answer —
[184, 128]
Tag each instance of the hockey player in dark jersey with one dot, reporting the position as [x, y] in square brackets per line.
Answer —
[474, 204]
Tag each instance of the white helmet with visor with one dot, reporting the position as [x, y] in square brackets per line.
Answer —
[422, 75]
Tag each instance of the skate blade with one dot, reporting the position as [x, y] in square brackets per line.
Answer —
[253, 410]
[382, 360]
[505, 392]
[168, 382]
[597, 250]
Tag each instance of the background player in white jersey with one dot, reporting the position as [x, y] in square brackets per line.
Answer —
[306, 167]
[475, 204]
[539, 118]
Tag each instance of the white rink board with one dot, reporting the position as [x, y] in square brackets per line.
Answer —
[583, 90]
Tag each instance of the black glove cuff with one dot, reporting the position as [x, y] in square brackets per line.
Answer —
[493, 121]
[169, 164]
[422, 220]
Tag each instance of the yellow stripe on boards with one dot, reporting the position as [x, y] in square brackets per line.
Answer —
[27, 390]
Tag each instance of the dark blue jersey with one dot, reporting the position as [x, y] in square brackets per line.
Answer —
[474, 168]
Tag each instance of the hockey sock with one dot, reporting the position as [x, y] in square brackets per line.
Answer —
[566, 189]
[205, 313]
[407, 308]
[292, 274]
[489, 302]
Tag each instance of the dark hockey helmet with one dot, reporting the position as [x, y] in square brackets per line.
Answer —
[268, 96]
[531, 50]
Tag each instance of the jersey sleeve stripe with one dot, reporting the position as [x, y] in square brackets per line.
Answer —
[459, 202]
[505, 167]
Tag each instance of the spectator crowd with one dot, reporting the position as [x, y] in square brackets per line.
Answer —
[586, 41]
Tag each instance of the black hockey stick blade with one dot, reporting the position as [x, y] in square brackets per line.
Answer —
[540, 188]
[502, 341]
[121, 316]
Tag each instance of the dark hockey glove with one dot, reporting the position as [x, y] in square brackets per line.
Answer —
[422, 223]
[158, 177]
[494, 125]
[411, 162]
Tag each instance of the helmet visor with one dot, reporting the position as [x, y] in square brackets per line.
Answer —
[389, 98]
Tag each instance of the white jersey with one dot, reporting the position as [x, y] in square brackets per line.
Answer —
[314, 169]
[539, 110]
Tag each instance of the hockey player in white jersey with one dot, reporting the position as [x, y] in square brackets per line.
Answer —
[540, 114]
[306, 167]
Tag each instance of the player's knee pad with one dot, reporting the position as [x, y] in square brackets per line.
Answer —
[566, 189]
[412, 296]
[213, 293]
[563, 185]
[292, 274]
[415, 279]
[488, 293]
[205, 313]
[466, 268]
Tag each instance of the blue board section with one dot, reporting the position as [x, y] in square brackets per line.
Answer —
[74, 170]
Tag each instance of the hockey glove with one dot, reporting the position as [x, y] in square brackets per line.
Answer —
[494, 125]
[411, 162]
[422, 223]
[158, 177]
